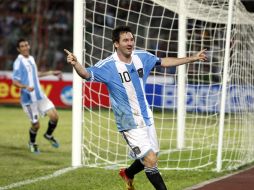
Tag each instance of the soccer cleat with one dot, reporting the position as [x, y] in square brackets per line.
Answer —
[33, 148]
[52, 140]
[127, 180]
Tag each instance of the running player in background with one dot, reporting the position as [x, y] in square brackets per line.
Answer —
[125, 73]
[33, 100]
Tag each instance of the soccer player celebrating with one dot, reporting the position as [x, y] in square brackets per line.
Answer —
[125, 73]
[33, 100]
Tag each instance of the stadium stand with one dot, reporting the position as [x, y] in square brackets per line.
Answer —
[47, 24]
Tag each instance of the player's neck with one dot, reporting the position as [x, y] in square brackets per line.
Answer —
[124, 58]
[25, 55]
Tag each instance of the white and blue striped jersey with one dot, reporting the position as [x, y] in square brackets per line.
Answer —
[126, 86]
[25, 71]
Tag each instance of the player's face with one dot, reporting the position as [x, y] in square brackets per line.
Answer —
[24, 48]
[125, 45]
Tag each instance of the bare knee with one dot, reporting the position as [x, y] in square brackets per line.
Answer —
[35, 126]
[150, 160]
[53, 115]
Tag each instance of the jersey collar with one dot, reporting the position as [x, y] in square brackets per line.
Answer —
[116, 58]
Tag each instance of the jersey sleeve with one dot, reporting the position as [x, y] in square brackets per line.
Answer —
[149, 61]
[99, 73]
[17, 71]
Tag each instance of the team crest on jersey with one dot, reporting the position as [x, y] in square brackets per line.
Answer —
[140, 72]
[136, 150]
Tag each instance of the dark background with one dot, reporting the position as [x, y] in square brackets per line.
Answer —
[249, 5]
[48, 25]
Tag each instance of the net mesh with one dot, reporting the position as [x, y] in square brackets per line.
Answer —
[155, 26]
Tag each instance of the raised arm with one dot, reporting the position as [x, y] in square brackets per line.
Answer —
[71, 59]
[47, 73]
[173, 61]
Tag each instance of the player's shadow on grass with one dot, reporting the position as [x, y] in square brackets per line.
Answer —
[22, 152]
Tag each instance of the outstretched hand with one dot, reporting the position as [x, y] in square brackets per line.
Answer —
[71, 58]
[57, 73]
[201, 56]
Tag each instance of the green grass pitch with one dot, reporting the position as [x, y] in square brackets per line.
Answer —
[18, 166]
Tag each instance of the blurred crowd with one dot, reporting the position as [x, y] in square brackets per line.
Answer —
[47, 24]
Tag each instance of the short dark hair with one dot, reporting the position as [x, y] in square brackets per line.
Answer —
[20, 40]
[118, 30]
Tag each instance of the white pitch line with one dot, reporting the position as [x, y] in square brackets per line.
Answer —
[30, 181]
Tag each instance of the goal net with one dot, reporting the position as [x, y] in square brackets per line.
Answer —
[213, 127]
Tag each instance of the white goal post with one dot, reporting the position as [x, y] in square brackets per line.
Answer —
[77, 86]
[203, 111]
